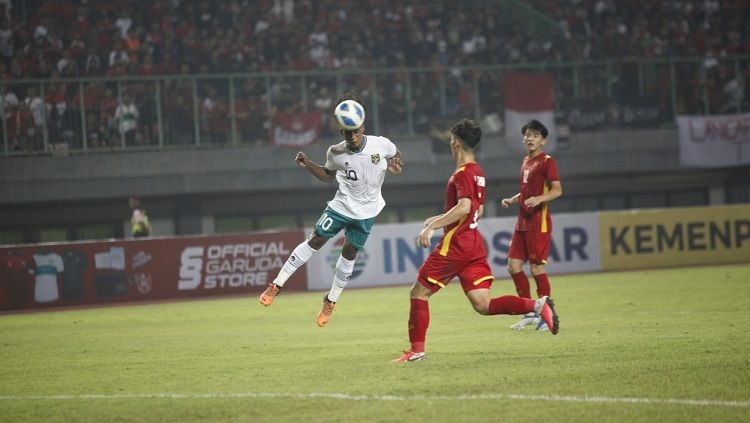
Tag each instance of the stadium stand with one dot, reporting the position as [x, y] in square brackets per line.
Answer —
[218, 75]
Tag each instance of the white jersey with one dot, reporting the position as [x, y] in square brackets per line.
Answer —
[48, 265]
[360, 176]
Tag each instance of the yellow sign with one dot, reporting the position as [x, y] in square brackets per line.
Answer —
[674, 237]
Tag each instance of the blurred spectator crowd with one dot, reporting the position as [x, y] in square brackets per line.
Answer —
[60, 39]
[71, 38]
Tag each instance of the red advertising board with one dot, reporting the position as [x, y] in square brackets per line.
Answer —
[44, 275]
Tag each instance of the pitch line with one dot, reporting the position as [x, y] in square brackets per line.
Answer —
[350, 397]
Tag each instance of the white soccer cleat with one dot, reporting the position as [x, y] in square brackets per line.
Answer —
[526, 320]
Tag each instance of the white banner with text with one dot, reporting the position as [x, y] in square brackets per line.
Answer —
[391, 256]
[714, 141]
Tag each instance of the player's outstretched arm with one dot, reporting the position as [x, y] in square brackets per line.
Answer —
[315, 169]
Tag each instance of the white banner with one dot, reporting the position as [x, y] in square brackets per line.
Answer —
[391, 256]
[714, 141]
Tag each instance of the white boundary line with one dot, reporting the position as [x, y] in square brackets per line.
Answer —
[349, 397]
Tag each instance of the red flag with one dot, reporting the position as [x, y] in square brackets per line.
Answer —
[295, 129]
[529, 96]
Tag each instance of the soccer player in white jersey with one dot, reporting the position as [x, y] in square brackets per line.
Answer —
[358, 164]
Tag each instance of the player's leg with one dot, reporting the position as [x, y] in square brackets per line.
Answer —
[325, 228]
[476, 280]
[538, 247]
[433, 275]
[511, 304]
[356, 233]
[419, 321]
[341, 275]
[300, 255]
[517, 256]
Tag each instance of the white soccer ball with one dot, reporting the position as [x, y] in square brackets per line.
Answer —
[349, 114]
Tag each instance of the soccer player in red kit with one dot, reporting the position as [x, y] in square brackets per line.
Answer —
[461, 250]
[540, 184]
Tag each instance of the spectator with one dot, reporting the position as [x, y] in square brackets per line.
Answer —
[69, 38]
[126, 117]
[119, 54]
[35, 105]
[140, 227]
[9, 114]
[6, 40]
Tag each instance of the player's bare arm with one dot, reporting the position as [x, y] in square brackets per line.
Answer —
[461, 209]
[554, 192]
[395, 164]
[506, 202]
[320, 172]
[430, 220]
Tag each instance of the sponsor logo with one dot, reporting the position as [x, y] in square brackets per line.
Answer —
[230, 265]
[140, 259]
[359, 264]
[141, 282]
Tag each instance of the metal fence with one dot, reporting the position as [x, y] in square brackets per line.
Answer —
[95, 114]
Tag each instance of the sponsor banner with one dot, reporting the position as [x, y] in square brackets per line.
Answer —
[638, 111]
[529, 96]
[597, 113]
[672, 237]
[391, 256]
[574, 249]
[295, 129]
[144, 269]
[714, 141]
[588, 114]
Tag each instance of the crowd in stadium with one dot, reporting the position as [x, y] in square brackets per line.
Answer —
[81, 38]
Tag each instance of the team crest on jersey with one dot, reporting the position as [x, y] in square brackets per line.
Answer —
[375, 158]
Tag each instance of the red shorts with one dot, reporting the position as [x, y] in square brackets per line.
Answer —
[530, 246]
[437, 271]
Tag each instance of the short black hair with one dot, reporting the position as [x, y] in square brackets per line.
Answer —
[535, 125]
[350, 95]
[468, 132]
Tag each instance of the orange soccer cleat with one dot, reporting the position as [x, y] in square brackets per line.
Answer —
[325, 313]
[267, 297]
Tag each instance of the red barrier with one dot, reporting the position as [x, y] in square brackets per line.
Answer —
[33, 276]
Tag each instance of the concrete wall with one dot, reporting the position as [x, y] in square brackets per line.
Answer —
[185, 189]
[267, 168]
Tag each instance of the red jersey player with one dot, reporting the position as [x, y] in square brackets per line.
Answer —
[461, 250]
[540, 184]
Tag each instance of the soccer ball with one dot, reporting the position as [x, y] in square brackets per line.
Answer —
[350, 115]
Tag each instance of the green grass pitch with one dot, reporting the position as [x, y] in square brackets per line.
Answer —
[658, 345]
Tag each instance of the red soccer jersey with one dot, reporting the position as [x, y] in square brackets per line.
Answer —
[537, 175]
[462, 239]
